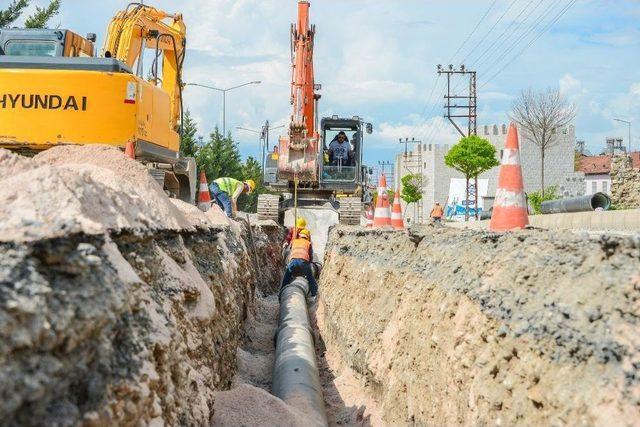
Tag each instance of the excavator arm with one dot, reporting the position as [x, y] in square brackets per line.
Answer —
[298, 151]
[140, 27]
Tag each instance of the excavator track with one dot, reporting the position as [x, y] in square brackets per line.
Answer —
[269, 207]
[350, 210]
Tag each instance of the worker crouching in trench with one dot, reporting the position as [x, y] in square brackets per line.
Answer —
[300, 261]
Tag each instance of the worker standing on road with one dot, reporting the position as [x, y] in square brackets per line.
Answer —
[226, 191]
[437, 213]
[300, 261]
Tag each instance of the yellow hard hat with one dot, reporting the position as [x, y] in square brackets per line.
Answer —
[251, 183]
[304, 233]
[301, 223]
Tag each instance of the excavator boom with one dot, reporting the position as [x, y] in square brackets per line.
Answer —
[303, 168]
[141, 27]
[298, 150]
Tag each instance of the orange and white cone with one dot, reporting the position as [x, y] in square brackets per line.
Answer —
[382, 217]
[130, 150]
[369, 215]
[397, 220]
[510, 205]
[204, 197]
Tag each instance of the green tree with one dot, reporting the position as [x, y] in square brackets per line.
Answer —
[13, 11]
[412, 189]
[42, 15]
[251, 169]
[38, 19]
[188, 141]
[219, 157]
[536, 198]
[471, 157]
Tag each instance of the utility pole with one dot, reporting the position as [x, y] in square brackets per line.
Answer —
[471, 109]
[628, 123]
[413, 163]
[263, 138]
[384, 164]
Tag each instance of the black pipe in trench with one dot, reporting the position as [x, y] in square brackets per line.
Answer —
[296, 379]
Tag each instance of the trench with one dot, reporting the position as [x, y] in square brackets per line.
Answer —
[249, 400]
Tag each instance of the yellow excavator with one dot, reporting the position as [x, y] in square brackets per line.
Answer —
[54, 91]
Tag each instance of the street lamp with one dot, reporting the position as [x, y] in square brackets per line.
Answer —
[224, 99]
[628, 124]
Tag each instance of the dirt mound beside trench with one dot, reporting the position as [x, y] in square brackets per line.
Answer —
[469, 327]
[90, 189]
[117, 305]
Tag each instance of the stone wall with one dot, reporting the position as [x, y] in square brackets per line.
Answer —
[625, 183]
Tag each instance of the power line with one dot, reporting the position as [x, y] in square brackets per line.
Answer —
[545, 13]
[544, 30]
[472, 31]
[513, 2]
[486, 35]
[435, 83]
[480, 60]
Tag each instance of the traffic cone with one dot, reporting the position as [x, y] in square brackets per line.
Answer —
[129, 150]
[382, 217]
[369, 215]
[510, 205]
[397, 221]
[204, 197]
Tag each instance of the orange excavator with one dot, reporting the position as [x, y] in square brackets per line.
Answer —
[314, 167]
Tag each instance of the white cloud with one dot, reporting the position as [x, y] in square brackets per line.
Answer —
[569, 85]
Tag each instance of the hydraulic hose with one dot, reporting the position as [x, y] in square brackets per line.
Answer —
[295, 373]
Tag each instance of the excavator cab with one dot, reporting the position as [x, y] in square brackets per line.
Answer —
[45, 42]
[341, 159]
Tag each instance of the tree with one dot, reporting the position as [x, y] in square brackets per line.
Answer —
[536, 198]
[251, 169]
[12, 12]
[220, 157]
[411, 189]
[42, 15]
[471, 157]
[542, 115]
[188, 141]
[38, 19]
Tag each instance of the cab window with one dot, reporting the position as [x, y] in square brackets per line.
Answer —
[30, 48]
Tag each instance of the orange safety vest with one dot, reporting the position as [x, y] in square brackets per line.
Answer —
[300, 249]
[437, 212]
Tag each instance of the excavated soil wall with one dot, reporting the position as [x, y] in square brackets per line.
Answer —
[117, 305]
[446, 326]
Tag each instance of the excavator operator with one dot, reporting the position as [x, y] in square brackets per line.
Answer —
[340, 150]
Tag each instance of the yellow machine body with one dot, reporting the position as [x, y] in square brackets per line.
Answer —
[41, 108]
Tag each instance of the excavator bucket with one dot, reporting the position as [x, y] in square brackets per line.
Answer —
[300, 162]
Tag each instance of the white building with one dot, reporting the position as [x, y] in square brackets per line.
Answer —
[559, 167]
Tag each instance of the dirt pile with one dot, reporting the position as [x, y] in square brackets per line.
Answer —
[469, 327]
[117, 306]
[89, 190]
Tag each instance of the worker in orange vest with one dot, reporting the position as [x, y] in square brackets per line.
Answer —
[300, 261]
[301, 224]
[437, 213]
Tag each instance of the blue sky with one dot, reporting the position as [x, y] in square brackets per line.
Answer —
[377, 59]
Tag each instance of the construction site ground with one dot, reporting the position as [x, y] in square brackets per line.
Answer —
[120, 306]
